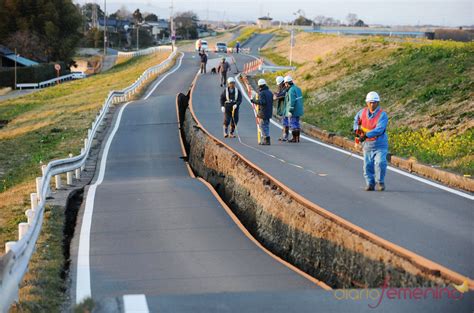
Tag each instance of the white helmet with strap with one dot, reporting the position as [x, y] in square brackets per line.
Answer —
[372, 97]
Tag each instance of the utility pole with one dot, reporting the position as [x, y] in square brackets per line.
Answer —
[15, 70]
[105, 28]
[173, 34]
[138, 36]
[292, 39]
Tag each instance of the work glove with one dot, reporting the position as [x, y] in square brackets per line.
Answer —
[223, 109]
[290, 114]
[234, 107]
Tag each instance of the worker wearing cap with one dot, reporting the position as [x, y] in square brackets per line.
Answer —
[222, 69]
[293, 107]
[370, 125]
[231, 99]
[265, 110]
[203, 57]
[279, 96]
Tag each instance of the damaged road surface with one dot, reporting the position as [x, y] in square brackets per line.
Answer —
[154, 230]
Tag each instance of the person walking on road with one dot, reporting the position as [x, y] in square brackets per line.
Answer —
[279, 96]
[237, 47]
[222, 69]
[264, 101]
[294, 108]
[231, 99]
[203, 57]
[370, 125]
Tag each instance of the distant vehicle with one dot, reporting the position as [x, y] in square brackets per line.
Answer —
[221, 47]
[204, 46]
[78, 75]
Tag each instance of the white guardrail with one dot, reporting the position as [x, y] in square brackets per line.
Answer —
[68, 77]
[14, 263]
[142, 52]
[46, 83]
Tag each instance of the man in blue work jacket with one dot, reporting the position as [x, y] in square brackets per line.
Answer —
[370, 125]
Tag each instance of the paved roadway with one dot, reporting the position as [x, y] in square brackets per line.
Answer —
[426, 220]
[157, 231]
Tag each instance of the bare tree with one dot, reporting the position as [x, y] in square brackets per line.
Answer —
[351, 18]
[28, 44]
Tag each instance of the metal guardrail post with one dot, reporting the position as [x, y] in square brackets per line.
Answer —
[18, 253]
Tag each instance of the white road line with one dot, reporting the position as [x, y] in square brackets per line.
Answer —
[135, 304]
[390, 168]
[83, 283]
[164, 77]
[83, 279]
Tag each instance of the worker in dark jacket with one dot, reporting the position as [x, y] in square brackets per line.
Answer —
[222, 69]
[264, 101]
[281, 111]
[203, 56]
[231, 99]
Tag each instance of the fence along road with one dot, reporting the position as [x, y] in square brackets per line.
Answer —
[154, 230]
[14, 264]
[429, 221]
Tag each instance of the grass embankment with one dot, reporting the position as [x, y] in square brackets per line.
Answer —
[427, 88]
[43, 290]
[47, 125]
[249, 31]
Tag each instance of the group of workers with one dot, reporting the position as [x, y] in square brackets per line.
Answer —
[370, 123]
[289, 107]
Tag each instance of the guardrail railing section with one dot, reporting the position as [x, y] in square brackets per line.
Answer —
[14, 263]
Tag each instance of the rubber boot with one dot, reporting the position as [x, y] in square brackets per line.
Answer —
[298, 135]
[284, 134]
[226, 132]
[265, 141]
[294, 136]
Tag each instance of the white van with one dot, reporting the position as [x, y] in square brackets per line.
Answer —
[204, 46]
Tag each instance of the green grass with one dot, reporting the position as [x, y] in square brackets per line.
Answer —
[276, 58]
[43, 289]
[245, 33]
[427, 89]
[50, 124]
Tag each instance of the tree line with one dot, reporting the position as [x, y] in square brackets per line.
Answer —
[44, 30]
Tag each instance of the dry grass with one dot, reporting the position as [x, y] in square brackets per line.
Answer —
[310, 47]
[48, 125]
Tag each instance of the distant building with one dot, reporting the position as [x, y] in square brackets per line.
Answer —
[114, 25]
[7, 59]
[159, 29]
[264, 22]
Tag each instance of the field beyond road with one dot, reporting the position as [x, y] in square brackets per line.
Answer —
[426, 87]
[47, 125]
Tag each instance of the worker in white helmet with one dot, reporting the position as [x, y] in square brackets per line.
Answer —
[294, 108]
[279, 96]
[231, 99]
[370, 125]
[265, 110]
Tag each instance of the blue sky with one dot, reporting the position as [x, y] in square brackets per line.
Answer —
[391, 12]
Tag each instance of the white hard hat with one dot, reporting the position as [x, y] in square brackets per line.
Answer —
[261, 82]
[372, 97]
[279, 80]
[288, 79]
[231, 80]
